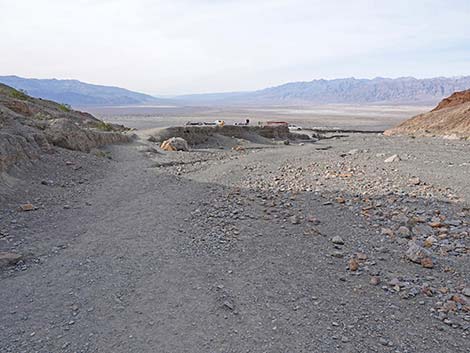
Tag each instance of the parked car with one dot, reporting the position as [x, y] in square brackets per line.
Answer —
[294, 127]
[194, 123]
[245, 123]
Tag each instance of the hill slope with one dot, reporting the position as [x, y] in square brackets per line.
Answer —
[450, 117]
[78, 93]
[405, 90]
[30, 127]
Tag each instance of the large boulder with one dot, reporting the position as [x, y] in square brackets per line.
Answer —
[175, 144]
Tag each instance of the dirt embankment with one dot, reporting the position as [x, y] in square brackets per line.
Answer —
[450, 118]
[196, 135]
[30, 127]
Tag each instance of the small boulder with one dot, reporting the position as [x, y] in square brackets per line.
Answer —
[391, 159]
[353, 265]
[427, 262]
[337, 240]
[9, 259]
[27, 207]
[375, 280]
[404, 232]
[175, 144]
[295, 219]
[416, 253]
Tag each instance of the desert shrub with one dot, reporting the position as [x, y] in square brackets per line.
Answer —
[65, 107]
[42, 116]
[103, 154]
[104, 126]
[19, 94]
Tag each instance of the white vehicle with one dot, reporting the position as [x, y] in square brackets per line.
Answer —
[294, 127]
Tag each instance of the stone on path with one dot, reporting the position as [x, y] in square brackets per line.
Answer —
[27, 207]
[391, 159]
[9, 259]
[417, 254]
[337, 240]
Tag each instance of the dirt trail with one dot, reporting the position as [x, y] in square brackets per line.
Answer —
[204, 258]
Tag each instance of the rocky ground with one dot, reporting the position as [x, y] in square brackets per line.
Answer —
[352, 244]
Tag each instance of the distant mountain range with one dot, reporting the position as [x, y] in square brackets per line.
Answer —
[78, 93]
[405, 90]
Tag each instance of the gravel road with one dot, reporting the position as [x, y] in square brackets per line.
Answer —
[299, 248]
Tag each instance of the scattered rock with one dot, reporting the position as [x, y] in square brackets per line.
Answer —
[313, 220]
[337, 254]
[361, 256]
[229, 305]
[238, 148]
[404, 232]
[375, 280]
[429, 241]
[340, 200]
[394, 158]
[416, 253]
[427, 262]
[9, 259]
[337, 240]
[294, 219]
[26, 207]
[353, 265]
[387, 232]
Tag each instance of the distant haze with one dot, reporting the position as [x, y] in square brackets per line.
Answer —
[193, 46]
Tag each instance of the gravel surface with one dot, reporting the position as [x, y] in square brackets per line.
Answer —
[321, 247]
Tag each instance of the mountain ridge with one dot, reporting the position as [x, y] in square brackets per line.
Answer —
[379, 90]
[78, 93]
[402, 90]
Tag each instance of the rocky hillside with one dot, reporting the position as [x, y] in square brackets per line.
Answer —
[404, 90]
[455, 99]
[30, 127]
[450, 118]
[79, 93]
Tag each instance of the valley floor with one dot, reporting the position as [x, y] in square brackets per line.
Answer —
[299, 248]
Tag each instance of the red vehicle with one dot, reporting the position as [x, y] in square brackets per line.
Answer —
[277, 123]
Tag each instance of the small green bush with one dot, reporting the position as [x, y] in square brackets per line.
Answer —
[65, 107]
[19, 94]
[103, 126]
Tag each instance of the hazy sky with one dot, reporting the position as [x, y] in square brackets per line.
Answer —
[188, 46]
